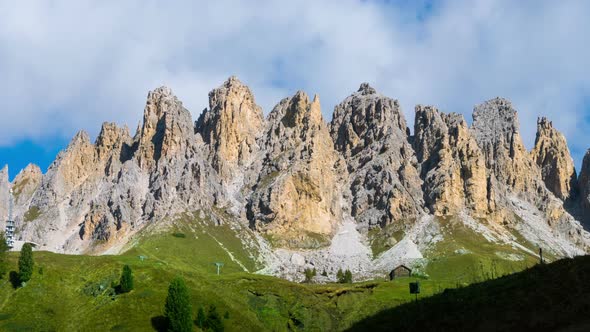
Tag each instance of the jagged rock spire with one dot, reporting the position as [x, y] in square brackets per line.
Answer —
[230, 126]
[495, 127]
[167, 127]
[452, 166]
[552, 155]
[370, 132]
[584, 185]
[299, 181]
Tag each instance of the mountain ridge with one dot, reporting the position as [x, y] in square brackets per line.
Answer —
[300, 183]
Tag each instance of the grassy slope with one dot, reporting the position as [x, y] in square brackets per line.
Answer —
[548, 297]
[58, 299]
[465, 256]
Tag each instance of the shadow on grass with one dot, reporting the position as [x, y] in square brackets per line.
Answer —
[160, 323]
[14, 279]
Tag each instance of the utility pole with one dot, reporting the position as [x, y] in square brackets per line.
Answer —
[219, 265]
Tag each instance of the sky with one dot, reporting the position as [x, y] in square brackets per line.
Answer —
[71, 65]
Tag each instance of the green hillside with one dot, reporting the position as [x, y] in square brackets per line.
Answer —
[551, 297]
[75, 293]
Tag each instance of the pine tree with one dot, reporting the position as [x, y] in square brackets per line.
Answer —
[126, 283]
[201, 318]
[25, 263]
[3, 255]
[348, 276]
[309, 274]
[214, 322]
[178, 308]
[340, 276]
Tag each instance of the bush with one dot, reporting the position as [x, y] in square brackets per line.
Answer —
[325, 274]
[25, 263]
[126, 283]
[177, 309]
[179, 235]
[309, 274]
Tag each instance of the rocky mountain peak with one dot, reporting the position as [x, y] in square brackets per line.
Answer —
[370, 132]
[111, 139]
[366, 89]
[81, 138]
[552, 155]
[364, 119]
[26, 182]
[166, 128]
[452, 165]
[299, 180]
[301, 113]
[4, 195]
[230, 126]
[496, 130]
[31, 170]
[584, 185]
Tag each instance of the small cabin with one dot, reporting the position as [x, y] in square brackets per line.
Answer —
[400, 272]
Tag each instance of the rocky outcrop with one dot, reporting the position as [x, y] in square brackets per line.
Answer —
[26, 183]
[584, 186]
[451, 164]
[4, 195]
[297, 197]
[552, 155]
[230, 128]
[496, 130]
[370, 132]
[299, 181]
[167, 128]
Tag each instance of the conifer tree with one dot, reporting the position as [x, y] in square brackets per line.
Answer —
[214, 322]
[178, 310]
[3, 255]
[201, 318]
[340, 276]
[348, 276]
[126, 283]
[25, 263]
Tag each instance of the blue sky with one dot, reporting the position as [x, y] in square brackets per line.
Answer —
[67, 65]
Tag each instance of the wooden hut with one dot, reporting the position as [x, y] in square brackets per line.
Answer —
[400, 272]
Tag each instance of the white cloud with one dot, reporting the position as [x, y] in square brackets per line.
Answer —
[72, 65]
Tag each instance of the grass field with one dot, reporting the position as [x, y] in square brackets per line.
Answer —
[74, 293]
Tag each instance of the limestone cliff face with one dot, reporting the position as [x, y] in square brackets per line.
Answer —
[584, 185]
[370, 132]
[103, 192]
[298, 193]
[518, 179]
[552, 155]
[4, 195]
[167, 128]
[451, 163]
[496, 130]
[26, 183]
[230, 127]
[296, 179]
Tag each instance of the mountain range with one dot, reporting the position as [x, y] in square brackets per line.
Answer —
[362, 192]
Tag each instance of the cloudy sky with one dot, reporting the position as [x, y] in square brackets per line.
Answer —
[71, 65]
